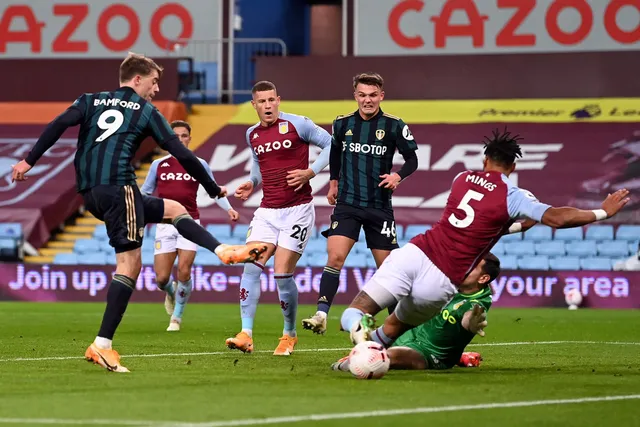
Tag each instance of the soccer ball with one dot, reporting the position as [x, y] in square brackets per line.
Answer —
[573, 298]
[369, 360]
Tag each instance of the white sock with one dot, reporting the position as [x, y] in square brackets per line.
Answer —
[321, 314]
[103, 343]
[248, 332]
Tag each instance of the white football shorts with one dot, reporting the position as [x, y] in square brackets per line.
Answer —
[288, 228]
[408, 276]
[169, 240]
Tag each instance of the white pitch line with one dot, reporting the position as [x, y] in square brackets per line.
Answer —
[308, 350]
[324, 417]
[205, 353]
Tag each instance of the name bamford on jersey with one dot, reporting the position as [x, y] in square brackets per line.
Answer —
[116, 102]
[481, 182]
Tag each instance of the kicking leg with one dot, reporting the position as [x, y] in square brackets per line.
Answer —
[284, 266]
[194, 232]
[338, 248]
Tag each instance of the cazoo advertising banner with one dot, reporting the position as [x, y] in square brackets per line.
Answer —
[421, 27]
[103, 29]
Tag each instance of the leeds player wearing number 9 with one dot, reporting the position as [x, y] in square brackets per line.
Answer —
[482, 206]
[112, 127]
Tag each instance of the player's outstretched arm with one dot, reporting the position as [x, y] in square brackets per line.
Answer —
[567, 217]
[164, 136]
[222, 201]
[475, 320]
[72, 116]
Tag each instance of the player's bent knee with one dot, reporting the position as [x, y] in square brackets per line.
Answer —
[173, 209]
[250, 269]
[336, 260]
[375, 294]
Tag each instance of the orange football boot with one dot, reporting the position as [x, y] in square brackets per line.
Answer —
[108, 359]
[242, 342]
[234, 254]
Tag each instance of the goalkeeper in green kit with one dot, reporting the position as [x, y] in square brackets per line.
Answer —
[440, 342]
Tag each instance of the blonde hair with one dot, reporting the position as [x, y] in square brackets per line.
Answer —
[135, 64]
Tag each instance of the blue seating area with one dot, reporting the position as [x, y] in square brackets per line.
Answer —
[11, 240]
[596, 247]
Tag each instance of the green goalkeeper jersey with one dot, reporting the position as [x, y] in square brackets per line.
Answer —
[442, 339]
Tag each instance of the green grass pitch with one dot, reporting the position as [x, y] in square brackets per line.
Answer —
[551, 367]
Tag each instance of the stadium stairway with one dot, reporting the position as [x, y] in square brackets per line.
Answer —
[204, 120]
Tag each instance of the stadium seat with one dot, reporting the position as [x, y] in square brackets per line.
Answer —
[536, 262]
[401, 243]
[93, 258]
[582, 248]
[8, 247]
[498, 248]
[511, 237]
[87, 246]
[11, 230]
[634, 247]
[508, 262]
[519, 248]
[318, 259]
[599, 232]
[66, 259]
[414, 229]
[538, 233]
[111, 258]
[316, 245]
[8, 243]
[551, 248]
[613, 248]
[360, 247]
[570, 263]
[628, 232]
[100, 232]
[356, 260]
[240, 231]
[371, 262]
[207, 258]
[596, 263]
[220, 231]
[106, 247]
[399, 232]
[568, 234]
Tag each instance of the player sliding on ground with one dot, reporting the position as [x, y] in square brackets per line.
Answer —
[427, 272]
[112, 127]
[172, 182]
[440, 342]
